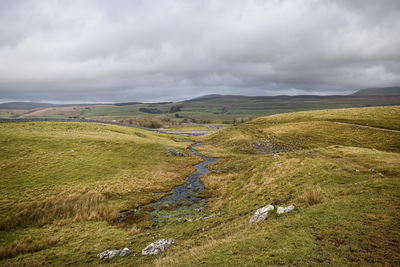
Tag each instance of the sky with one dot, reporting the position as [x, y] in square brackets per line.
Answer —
[168, 50]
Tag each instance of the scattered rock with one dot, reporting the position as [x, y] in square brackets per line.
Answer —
[174, 152]
[371, 170]
[261, 214]
[285, 209]
[124, 252]
[72, 150]
[140, 135]
[109, 254]
[381, 174]
[155, 247]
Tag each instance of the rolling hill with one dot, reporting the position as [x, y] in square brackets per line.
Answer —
[226, 109]
[25, 105]
[64, 184]
[387, 91]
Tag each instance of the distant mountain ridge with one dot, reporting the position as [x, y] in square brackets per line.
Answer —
[370, 92]
[386, 91]
[25, 105]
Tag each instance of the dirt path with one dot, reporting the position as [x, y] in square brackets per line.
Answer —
[368, 127]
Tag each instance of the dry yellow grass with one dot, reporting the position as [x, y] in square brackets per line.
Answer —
[312, 195]
[86, 206]
[345, 212]
[26, 245]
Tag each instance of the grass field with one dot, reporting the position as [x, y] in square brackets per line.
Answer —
[342, 177]
[208, 109]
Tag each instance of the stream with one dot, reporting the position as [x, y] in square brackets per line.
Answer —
[182, 197]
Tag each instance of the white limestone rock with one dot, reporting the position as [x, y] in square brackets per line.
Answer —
[158, 246]
[109, 254]
[282, 210]
[261, 214]
[124, 252]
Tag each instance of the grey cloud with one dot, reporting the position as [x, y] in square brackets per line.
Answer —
[165, 50]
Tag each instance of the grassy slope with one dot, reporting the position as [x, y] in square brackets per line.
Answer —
[111, 169]
[353, 219]
[357, 220]
[9, 113]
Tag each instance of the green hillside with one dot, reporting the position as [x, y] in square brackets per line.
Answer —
[339, 168]
[207, 109]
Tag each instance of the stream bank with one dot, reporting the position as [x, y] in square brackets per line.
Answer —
[181, 200]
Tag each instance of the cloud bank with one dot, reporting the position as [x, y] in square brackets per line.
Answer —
[134, 50]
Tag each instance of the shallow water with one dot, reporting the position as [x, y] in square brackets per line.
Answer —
[182, 195]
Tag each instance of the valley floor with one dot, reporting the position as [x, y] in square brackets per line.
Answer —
[64, 183]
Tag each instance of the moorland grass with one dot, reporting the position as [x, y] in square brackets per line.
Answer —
[343, 181]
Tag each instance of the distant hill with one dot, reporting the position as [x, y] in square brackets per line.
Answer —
[25, 105]
[213, 108]
[216, 97]
[386, 91]
[127, 103]
[233, 98]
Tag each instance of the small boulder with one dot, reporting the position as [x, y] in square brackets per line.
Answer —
[140, 135]
[155, 247]
[103, 255]
[108, 254]
[281, 210]
[124, 252]
[261, 214]
[174, 152]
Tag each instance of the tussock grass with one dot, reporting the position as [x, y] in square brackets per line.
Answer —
[343, 181]
[26, 245]
[75, 207]
[312, 195]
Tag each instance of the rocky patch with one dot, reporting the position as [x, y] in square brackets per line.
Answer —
[158, 246]
[174, 152]
[109, 254]
[282, 210]
[261, 214]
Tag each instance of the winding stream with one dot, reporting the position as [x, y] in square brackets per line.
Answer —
[182, 195]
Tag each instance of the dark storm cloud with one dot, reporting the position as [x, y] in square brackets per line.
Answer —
[169, 50]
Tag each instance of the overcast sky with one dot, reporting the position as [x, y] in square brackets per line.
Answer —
[134, 50]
